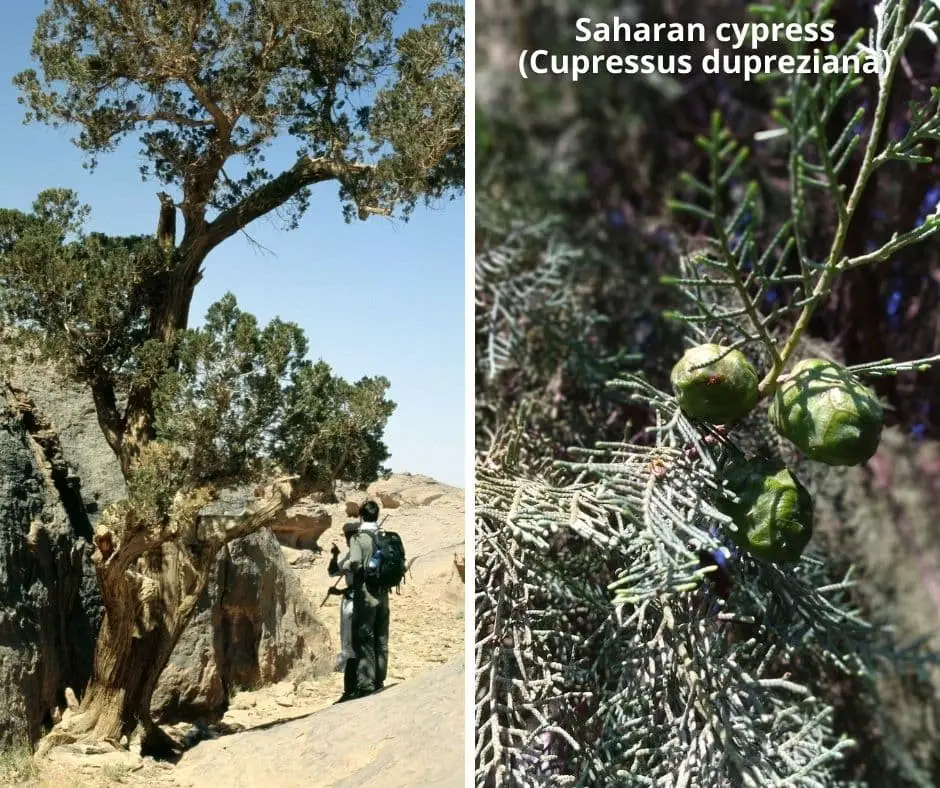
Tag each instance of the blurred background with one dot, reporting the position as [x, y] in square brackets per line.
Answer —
[573, 235]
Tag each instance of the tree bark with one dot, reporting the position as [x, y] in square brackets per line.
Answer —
[150, 584]
[147, 609]
[169, 314]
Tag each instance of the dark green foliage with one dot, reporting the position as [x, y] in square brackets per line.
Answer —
[334, 425]
[84, 297]
[245, 397]
[231, 399]
[205, 82]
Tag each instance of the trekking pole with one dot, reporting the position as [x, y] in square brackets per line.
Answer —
[328, 594]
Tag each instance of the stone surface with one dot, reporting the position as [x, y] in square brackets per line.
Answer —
[253, 627]
[91, 757]
[407, 489]
[304, 525]
[422, 716]
[49, 608]
[72, 412]
[388, 500]
[298, 558]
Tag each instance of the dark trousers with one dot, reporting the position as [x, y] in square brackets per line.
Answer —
[370, 642]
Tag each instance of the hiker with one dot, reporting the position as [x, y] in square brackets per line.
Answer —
[346, 653]
[361, 675]
[370, 610]
[376, 563]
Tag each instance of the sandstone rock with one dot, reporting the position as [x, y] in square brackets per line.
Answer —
[306, 688]
[254, 627]
[298, 557]
[303, 526]
[426, 711]
[388, 500]
[243, 700]
[408, 489]
[421, 497]
[283, 688]
[96, 756]
[304, 558]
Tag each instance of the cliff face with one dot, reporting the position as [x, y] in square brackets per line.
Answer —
[49, 605]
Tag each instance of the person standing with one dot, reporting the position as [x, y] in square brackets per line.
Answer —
[370, 609]
[365, 673]
[346, 660]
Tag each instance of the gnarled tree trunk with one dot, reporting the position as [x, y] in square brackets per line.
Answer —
[147, 609]
[151, 577]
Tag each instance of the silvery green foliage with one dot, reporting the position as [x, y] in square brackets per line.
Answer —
[671, 685]
[528, 281]
[516, 284]
[539, 332]
[604, 655]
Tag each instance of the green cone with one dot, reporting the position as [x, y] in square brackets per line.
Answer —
[827, 413]
[774, 516]
[714, 384]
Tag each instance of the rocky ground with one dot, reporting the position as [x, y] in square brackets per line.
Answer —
[290, 733]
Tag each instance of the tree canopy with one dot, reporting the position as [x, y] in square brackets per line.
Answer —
[239, 399]
[209, 85]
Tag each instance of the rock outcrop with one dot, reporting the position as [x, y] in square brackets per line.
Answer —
[71, 411]
[49, 606]
[304, 525]
[408, 489]
[253, 627]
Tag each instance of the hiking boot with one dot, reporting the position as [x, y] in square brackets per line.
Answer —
[346, 696]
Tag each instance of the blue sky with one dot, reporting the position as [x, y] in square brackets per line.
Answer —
[375, 297]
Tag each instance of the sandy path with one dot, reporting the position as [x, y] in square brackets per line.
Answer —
[409, 735]
[290, 733]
